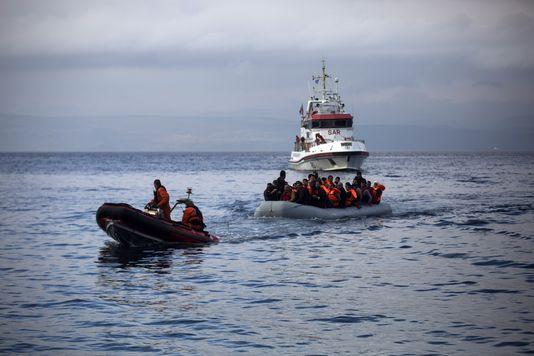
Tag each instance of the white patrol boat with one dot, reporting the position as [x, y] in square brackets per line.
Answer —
[326, 140]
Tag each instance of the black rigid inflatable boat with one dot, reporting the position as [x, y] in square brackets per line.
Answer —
[133, 227]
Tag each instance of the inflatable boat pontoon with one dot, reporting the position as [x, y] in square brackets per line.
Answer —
[132, 227]
[285, 209]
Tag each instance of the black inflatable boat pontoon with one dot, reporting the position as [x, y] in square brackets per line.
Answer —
[133, 227]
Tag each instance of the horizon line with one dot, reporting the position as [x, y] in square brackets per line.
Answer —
[267, 151]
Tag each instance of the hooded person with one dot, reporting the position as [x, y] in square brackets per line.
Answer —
[192, 217]
[161, 200]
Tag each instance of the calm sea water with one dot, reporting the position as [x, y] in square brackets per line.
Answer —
[452, 271]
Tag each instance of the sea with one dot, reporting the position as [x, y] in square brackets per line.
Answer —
[451, 271]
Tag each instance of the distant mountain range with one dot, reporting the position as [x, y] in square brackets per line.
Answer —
[141, 133]
[417, 138]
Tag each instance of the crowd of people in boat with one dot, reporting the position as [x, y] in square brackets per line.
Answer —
[325, 192]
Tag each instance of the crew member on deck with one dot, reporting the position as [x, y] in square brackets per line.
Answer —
[319, 139]
[161, 200]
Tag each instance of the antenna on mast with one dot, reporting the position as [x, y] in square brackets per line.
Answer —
[323, 77]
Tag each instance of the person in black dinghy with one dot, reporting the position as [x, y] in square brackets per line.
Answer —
[161, 200]
[192, 217]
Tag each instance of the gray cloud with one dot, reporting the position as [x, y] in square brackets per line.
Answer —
[463, 64]
[489, 33]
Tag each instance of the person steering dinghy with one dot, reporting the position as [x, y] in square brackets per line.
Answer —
[160, 203]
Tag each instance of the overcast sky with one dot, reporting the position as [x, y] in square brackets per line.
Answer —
[212, 75]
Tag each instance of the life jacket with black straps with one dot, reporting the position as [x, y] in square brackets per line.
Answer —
[193, 218]
[332, 194]
[352, 195]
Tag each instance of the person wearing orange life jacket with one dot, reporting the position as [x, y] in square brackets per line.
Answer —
[379, 189]
[161, 200]
[311, 186]
[332, 194]
[352, 196]
[193, 216]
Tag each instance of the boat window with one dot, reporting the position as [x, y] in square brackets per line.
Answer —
[328, 109]
[343, 123]
[327, 124]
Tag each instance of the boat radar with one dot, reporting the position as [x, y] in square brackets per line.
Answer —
[326, 140]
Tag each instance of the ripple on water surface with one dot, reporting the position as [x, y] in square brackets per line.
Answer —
[450, 272]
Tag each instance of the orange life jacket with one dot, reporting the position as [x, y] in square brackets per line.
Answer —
[161, 199]
[193, 218]
[352, 195]
[333, 195]
[378, 193]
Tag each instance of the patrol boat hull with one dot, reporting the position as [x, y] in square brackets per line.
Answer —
[329, 161]
[285, 209]
[132, 227]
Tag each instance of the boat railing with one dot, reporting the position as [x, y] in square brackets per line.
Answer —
[305, 146]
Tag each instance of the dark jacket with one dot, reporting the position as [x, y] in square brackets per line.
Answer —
[302, 196]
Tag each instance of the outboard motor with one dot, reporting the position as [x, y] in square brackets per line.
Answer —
[153, 210]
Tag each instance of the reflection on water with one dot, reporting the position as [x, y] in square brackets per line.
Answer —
[159, 260]
[156, 259]
[154, 268]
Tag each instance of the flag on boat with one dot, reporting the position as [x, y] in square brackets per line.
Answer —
[301, 111]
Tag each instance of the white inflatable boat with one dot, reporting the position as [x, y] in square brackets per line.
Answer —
[285, 209]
